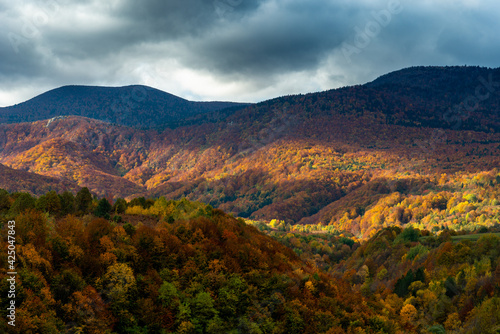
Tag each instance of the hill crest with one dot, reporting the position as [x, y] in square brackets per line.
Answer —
[135, 106]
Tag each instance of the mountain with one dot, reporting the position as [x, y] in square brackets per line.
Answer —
[21, 181]
[466, 98]
[138, 106]
[339, 157]
[83, 151]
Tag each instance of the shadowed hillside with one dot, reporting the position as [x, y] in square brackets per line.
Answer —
[138, 106]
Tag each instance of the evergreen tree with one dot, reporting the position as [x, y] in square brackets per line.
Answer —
[67, 203]
[83, 201]
[103, 209]
[23, 202]
[50, 202]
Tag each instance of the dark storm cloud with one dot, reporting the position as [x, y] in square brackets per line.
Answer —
[483, 40]
[274, 39]
[269, 46]
[159, 20]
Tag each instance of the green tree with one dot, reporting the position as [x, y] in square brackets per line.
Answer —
[23, 202]
[203, 309]
[83, 201]
[294, 322]
[216, 326]
[437, 329]
[103, 209]
[4, 200]
[65, 284]
[50, 202]
[168, 295]
[67, 203]
[408, 234]
[120, 206]
[141, 201]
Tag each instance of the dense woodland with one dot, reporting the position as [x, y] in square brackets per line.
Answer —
[162, 266]
[187, 269]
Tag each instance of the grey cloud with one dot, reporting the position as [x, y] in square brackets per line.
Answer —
[287, 38]
[252, 43]
[159, 20]
[481, 34]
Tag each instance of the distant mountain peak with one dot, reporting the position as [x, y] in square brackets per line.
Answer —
[134, 105]
[432, 75]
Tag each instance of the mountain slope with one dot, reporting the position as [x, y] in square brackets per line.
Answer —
[83, 151]
[138, 106]
[197, 270]
[465, 97]
[304, 158]
[436, 97]
[14, 180]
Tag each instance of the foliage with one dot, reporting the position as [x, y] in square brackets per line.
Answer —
[103, 209]
[83, 201]
[433, 283]
[204, 272]
[22, 202]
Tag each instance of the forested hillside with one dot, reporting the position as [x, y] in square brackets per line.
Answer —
[138, 106]
[163, 266]
[186, 269]
[445, 283]
[359, 158]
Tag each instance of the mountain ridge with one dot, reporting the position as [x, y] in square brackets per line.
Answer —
[135, 105]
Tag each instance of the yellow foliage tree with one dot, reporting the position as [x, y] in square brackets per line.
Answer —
[409, 313]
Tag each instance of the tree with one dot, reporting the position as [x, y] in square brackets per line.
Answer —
[67, 200]
[103, 209]
[168, 294]
[120, 206]
[83, 201]
[31, 227]
[119, 280]
[408, 234]
[409, 313]
[485, 318]
[50, 202]
[23, 202]
[453, 322]
[65, 284]
[87, 310]
[4, 200]
[437, 329]
[142, 202]
[186, 327]
[203, 309]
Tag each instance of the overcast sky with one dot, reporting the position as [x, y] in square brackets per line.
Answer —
[239, 50]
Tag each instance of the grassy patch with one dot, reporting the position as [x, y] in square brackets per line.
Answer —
[472, 237]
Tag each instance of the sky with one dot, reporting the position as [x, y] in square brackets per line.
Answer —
[235, 50]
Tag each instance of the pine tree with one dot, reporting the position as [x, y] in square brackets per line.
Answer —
[83, 201]
[103, 209]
